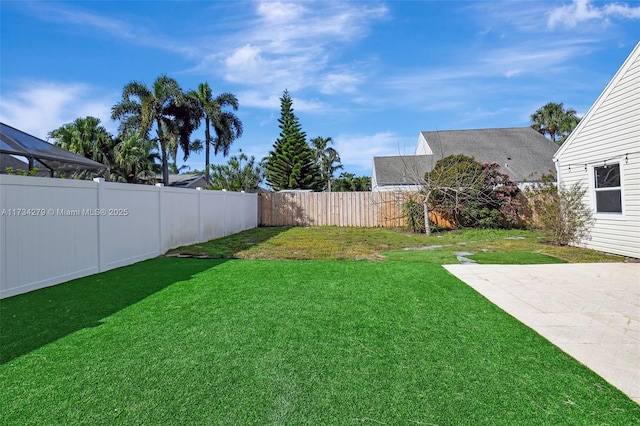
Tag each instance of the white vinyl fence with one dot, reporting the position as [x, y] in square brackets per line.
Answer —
[54, 230]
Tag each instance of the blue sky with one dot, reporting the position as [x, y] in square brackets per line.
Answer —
[371, 75]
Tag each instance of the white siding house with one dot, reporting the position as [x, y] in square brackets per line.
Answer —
[603, 155]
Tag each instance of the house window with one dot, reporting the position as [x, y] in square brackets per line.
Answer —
[608, 190]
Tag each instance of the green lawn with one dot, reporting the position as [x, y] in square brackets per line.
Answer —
[335, 243]
[513, 258]
[187, 341]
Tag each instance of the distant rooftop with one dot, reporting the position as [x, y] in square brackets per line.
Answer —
[401, 170]
[522, 153]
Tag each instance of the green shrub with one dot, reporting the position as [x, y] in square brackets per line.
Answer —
[19, 172]
[560, 212]
[414, 211]
[471, 194]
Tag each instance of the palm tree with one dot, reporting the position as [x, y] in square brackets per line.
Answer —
[571, 122]
[86, 137]
[345, 182]
[163, 105]
[553, 120]
[135, 158]
[241, 173]
[327, 158]
[226, 125]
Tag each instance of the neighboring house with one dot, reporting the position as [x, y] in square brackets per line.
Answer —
[188, 181]
[522, 153]
[603, 155]
[399, 173]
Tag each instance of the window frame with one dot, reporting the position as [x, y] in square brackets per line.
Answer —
[594, 190]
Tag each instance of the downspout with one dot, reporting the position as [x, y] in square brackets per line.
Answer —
[558, 172]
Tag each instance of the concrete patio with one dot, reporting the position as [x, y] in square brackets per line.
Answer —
[590, 311]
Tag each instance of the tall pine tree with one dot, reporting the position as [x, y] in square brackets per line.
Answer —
[291, 164]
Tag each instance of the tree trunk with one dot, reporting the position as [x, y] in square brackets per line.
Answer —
[207, 142]
[427, 223]
[164, 154]
[165, 164]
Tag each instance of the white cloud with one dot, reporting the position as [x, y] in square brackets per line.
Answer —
[244, 64]
[622, 10]
[68, 15]
[500, 18]
[570, 15]
[527, 57]
[581, 11]
[339, 83]
[133, 32]
[428, 89]
[278, 12]
[44, 106]
[258, 99]
[288, 23]
[252, 66]
[245, 57]
[359, 150]
[276, 45]
[292, 45]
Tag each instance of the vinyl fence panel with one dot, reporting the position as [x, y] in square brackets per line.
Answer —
[130, 227]
[54, 230]
[235, 220]
[45, 239]
[180, 217]
[213, 216]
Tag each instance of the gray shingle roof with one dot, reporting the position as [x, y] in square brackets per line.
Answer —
[401, 170]
[522, 153]
[187, 180]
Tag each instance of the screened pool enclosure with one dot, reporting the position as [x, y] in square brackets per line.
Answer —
[21, 153]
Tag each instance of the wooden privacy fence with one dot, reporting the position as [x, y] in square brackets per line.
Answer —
[360, 209]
